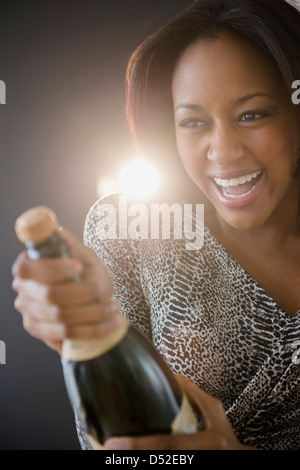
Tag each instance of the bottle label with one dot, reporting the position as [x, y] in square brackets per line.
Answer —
[84, 350]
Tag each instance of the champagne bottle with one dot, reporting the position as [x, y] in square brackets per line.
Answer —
[119, 385]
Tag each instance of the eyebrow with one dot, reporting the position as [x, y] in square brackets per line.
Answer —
[193, 107]
[239, 101]
[245, 98]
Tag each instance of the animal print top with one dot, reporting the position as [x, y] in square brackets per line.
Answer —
[213, 324]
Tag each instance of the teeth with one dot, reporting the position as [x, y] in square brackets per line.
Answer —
[236, 181]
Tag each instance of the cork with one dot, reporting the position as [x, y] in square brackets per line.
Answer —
[36, 224]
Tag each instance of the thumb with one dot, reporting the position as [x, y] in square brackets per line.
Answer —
[210, 408]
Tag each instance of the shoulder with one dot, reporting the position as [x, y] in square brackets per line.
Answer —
[105, 230]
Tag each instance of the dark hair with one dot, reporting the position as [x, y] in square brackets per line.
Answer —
[271, 25]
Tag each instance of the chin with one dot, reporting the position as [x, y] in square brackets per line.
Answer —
[242, 222]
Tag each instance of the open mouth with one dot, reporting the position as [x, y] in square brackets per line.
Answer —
[239, 187]
[239, 191]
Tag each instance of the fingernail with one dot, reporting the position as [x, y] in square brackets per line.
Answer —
[111, 325]
[114, 307]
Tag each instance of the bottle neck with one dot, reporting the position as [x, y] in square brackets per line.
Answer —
[84, 350]
[53, 246]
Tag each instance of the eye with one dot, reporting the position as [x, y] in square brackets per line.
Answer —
[253, 116]
[191, 124]
[250, 117]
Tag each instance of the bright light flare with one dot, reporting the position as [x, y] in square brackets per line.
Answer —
[106, 186]
[138, 179]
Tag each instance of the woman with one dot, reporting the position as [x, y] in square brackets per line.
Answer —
[217, 81]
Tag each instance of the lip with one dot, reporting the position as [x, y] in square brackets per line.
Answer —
[242, 201]
[233, 174]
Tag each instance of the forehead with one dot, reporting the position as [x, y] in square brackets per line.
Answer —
[227, 63]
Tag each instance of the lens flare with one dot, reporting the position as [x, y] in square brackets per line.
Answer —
[138, 179]
[106, 186]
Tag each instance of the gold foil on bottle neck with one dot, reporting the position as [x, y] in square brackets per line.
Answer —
[84, 350]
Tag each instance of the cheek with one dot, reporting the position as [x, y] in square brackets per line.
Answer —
[265, 146]
[190, 152]
[182, 146]
[275, 148]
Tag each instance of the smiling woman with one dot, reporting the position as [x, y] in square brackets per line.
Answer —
[248, 132]
[213, 88]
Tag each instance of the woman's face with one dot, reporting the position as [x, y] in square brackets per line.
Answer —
[236, 128]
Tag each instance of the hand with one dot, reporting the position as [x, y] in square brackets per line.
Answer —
[217, 434]
[55, 306]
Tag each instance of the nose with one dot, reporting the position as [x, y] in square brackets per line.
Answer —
[225, 145]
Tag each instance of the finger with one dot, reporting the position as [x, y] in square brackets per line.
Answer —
[67, 294]
[50, 270]
[82, 261]
[204, 440]
[45, 331]
[211, 409]
[58, 332]
[155, 442]
[91, 313]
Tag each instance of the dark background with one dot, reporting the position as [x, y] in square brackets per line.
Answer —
[62, 128]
